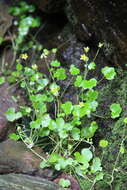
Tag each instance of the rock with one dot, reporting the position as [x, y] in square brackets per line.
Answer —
[49, 6]
[16, 157]
[18, 182]
[106, 21]
[5, 18]
[6, 101]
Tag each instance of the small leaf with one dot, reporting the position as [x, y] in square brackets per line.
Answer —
[67, 107]
[90, 95]
[115, 110]
[103, 143]
[64, 182]
[14, 136]
[89, 84]
[60, 74]
[19, 67]
[125, 120]
[108, 72]
[87, 153]
[35, 124]
[122, 149]
[78, 81]
[45, 120]
[2, 80]
[99, 176]
[75, 133]
[88, 132]
[11, 115]
[96, 165]
[54, 89]
[91, 66]
[55, 63]
[74, 70]
[44, 164]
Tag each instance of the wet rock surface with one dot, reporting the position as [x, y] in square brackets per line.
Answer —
[104, 21]
[19, 181]
[15, 157]
[5, 18]
[50, 6]
[6, 101]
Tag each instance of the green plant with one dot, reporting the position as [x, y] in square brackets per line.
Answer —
[24, 21]
[60, 124]
[64, 182]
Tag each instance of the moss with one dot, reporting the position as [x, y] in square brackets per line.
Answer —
[114, 131]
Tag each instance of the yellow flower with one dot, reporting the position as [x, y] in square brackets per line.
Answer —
[34, 67]
[84, 58]
[81, 104]
[24, 56]
[86, 49]
[100, 45]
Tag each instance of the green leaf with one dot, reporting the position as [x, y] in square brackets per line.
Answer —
[55, 63]
[19, 67]
[54, 89]
[78, 81]
[74, 70]
[99, 176]
[91, 66]
[11, 115]
[96, 165]
[125, 120]
[63, 134]
[89, 84]
[25, 110]
[54, 158]
[115, 110]
[103, 143]
[61, 164]
[75, 133]
[44, 164]
[87, 153]
[122, 149]
[43, 132]
[2, 80]
[35, 124]
[52, 125]
[64, 182]
[90, 95]
[81, 158]
[45, 120]
[14, 136]
[60, 123]
[67, 107]
[60, 74]
[88, 132]
[108, 72]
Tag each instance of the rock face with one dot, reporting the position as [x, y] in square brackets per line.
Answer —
[50, 6]
[16, 157]
[104, 21]
[5, 18]
[18, 182]
[6, 101]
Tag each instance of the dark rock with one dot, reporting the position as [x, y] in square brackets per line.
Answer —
[5, 18]
[106, 21]
[6, 101]
[16, 157]
[70, 53]
[50, 6]
[18, 182]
